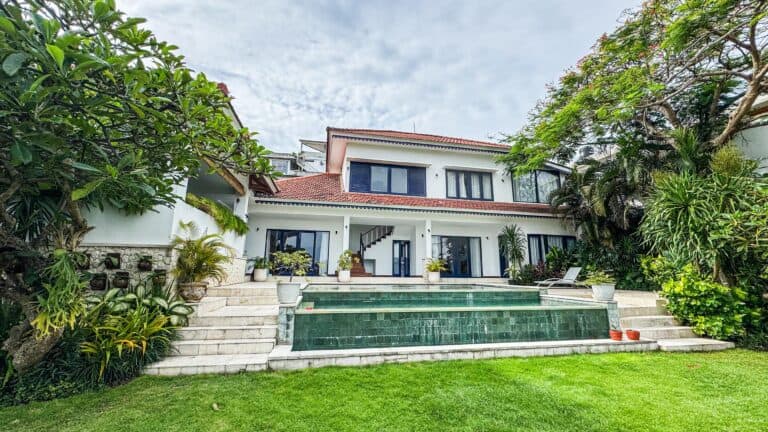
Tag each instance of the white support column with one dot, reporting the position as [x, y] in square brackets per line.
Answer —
[345, 235]
[428, 239]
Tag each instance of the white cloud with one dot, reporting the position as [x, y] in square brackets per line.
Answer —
[468, 69]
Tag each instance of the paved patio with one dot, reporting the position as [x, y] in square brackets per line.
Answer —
[623, 297]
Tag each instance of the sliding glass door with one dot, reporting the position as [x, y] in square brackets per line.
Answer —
[462, 255]
[315, 243]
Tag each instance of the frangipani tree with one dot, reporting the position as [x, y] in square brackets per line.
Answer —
[95, 111]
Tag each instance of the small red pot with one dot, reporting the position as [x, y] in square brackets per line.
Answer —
[633, 335]
[616, 335]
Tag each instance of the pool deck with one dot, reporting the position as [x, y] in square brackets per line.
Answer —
[622, 297]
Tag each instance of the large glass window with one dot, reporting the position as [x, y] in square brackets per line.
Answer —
[539, 245]
[315, 243]
[469, 185]
[536, 186]
[462, 255]
[390, 179]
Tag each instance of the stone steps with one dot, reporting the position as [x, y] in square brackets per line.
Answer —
[237, 316]
[693, 344]
[228, 332]
[191, 365]
[254, 300]
[633, 311]
[239, 291]
[659, 333]
[637, 322]
[223, 346]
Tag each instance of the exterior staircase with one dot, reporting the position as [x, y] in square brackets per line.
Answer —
[655, 323]
[233, 329]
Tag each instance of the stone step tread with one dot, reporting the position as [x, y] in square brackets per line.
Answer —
[242, 311]
[225, 327]
[209, 360]
[694, 344]
[663, 328]
[648, 316]
[223, 341]
[241, 285]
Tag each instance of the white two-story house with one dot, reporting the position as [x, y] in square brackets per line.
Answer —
[399, 198]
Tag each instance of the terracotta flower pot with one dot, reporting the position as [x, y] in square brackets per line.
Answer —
[633, 335]
[616, 334]
[193, 291]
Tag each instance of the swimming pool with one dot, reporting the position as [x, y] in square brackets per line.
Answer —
[368, 316]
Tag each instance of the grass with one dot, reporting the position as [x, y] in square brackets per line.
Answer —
[642, 392]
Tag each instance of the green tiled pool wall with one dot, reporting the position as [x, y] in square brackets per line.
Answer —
[388, 329]
[333, 300]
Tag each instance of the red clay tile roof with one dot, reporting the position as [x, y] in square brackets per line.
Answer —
[419, 137]
[327, 188]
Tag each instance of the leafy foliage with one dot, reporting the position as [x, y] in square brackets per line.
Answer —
[346, 260]
[435, 265]
[95, 112]
[200, 257]
[294, 263]
[711, 308]
[223, 215]
[512, 244]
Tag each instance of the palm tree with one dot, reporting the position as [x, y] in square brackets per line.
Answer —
[512, 244]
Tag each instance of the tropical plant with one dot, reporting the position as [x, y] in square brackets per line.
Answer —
[260, 263]
[200, 256]
[558, 260]
[221, 214]
[599, 277]
[435, 265]
[713, 309]
[96, 112]
[512, 244]
[296, 263]
[347, 259]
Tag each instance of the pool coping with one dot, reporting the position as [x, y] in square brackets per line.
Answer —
[322, 311]
[283, 358]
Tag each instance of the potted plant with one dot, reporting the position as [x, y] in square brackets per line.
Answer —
[82, 261]
[260, 267]
[615, 334]
[434, 267]
[121, 279]
[346, 260]
[200, 258]
[633, 335]
[112, 261]
[294, 263]
[145, 263]
[98, 282]
[159, 278]
[603, 285]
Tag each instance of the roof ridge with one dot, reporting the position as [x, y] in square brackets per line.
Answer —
[391, 131]
[306, 176]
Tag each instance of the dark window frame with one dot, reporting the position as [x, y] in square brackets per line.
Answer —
[538, 199]
[315, 261]
[544, 246]
[389, 178]
[440, 241]
[469, 172]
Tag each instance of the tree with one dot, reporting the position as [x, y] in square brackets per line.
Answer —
[95, 111]
[672, 65]
[513, 245]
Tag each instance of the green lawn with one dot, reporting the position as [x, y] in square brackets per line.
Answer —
[653, 391]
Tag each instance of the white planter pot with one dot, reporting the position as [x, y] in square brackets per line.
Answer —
[603, 292]
[345, 275]
[288, 292]
[260, 275]
[433, 277]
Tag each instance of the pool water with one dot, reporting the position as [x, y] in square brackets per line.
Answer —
[339, 317]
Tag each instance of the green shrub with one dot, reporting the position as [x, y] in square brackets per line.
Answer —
[712, 309]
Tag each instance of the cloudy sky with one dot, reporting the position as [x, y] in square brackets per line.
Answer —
[470, 69]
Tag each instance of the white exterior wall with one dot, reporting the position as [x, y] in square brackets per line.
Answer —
[754, 143]
[436, 162]
[408, 226]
